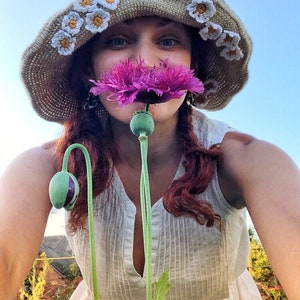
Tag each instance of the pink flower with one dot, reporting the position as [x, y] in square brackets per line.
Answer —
[127, 82]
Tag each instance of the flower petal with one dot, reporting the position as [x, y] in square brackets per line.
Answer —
[110, 4]
[85, 6]
[127, 82]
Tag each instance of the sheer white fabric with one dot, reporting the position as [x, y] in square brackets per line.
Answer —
[205, 263]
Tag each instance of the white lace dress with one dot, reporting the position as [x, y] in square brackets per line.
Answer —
[205, 263]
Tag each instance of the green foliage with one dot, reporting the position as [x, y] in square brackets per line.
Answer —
[63, 291]
[73, 271]
[261, 271]
[37, 286]
[260, 268]
[161, 287]
[35, 282]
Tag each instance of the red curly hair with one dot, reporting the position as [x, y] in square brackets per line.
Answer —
[180, 199]
[88, 129]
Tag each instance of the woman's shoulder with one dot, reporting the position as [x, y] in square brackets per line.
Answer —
[236, 141]
[43, 153]
[49, 146]
[248, 162]
[239, 145]
[35, 160]
[25, 206]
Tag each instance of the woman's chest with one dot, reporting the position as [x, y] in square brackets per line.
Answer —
[195, 255]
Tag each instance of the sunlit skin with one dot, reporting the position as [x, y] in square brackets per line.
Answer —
[253, 173]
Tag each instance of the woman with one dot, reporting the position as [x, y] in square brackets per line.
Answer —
[203, 174]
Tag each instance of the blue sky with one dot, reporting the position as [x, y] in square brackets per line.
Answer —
[267, 108]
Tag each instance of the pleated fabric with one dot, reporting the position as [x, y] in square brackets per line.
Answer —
[205, 263]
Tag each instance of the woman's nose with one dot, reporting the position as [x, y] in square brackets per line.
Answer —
[148, 53]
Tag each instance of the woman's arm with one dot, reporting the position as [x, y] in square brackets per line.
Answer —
[269, 184]
[24, 210]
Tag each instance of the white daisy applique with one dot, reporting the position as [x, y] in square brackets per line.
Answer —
[211, 87]
[228, 39]
[210, 31]
[64, 42]
[72, 23]
[89, 12]
[201, 10]
[232, 53]
[97, 21]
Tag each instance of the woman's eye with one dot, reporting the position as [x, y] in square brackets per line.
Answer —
[168, 43]
[116, 43]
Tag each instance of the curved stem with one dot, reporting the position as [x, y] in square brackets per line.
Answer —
[90, 209]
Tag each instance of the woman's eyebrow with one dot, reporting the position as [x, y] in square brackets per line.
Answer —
[161, 23]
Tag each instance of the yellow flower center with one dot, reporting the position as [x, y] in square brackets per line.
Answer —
[211, 29]
[110, 1]
[72, 24]
[232, 52]
[65, 43]
[228, 38]
[97, 21]
[86, 3]
[201, 9]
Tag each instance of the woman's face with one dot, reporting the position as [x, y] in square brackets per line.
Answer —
[150, 38]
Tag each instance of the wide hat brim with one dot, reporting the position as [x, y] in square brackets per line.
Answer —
[45, 72]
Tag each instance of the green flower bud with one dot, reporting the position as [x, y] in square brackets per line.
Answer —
[142, 123]
[63, 190]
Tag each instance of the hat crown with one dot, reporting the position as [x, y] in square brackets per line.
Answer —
[47, 61]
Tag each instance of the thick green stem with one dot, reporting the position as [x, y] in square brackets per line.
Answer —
[146, 215]
[90, 210]
[143, 209]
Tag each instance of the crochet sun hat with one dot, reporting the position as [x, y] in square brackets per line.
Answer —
[47, 61]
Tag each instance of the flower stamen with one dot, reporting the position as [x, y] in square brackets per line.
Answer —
[211, 30]
[228, 38]
[201, 9]
[85, 3]
[65, 43]
[72, 24]
[97, 21]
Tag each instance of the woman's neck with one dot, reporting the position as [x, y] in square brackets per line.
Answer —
[162, 144]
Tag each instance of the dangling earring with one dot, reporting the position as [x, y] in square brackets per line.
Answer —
[190, 100]
[91, 102]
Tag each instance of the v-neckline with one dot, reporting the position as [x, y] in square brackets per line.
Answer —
[120, 184]
[130, 211]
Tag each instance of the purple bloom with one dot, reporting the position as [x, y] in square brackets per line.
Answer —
[127, 82]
